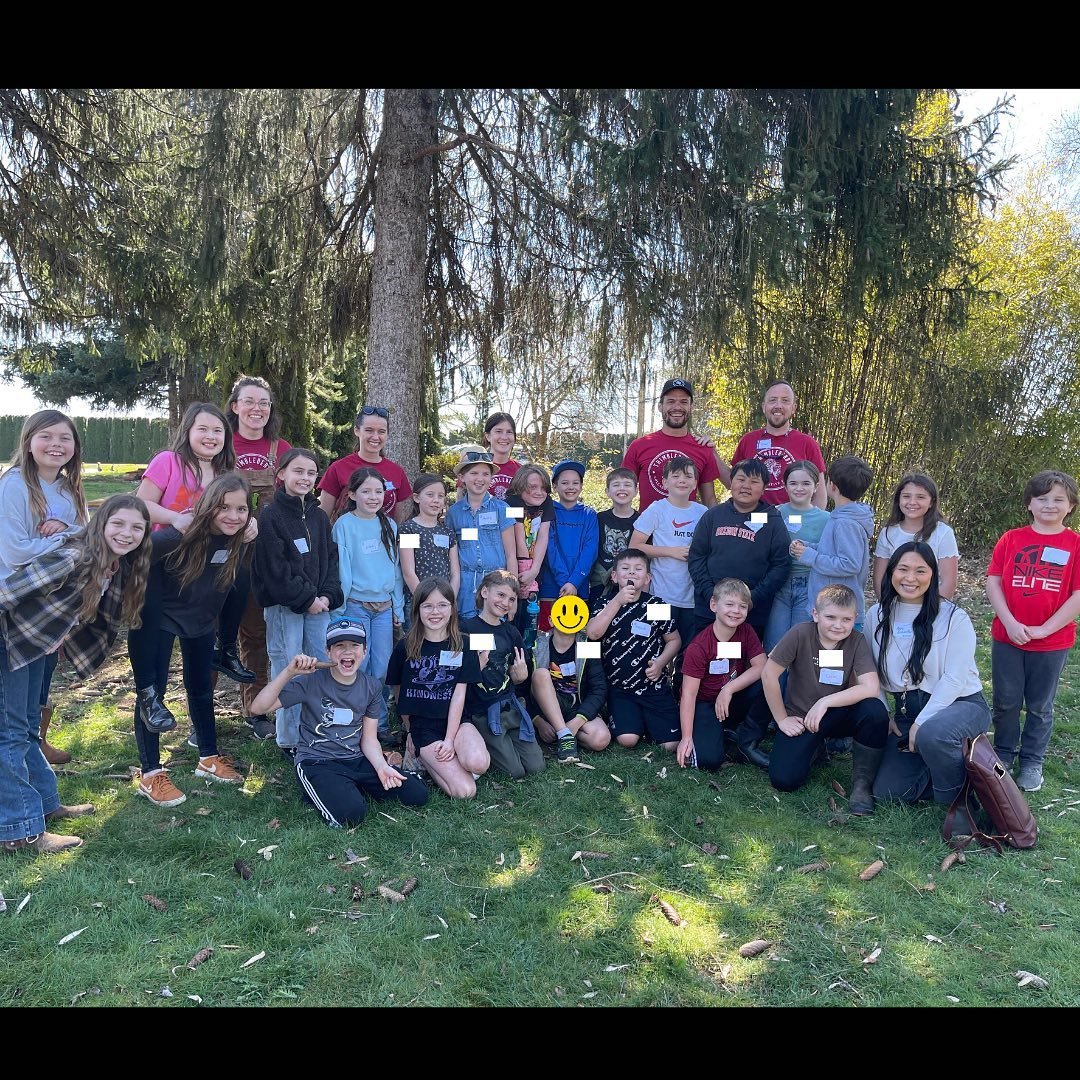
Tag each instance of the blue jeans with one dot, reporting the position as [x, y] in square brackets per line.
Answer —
[286, 635]
[380, 644]
[936, 768]
[1019, 676]
[790, 607]
[27, 784]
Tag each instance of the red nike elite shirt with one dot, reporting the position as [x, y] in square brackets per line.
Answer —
[778, 452]
[648, 455]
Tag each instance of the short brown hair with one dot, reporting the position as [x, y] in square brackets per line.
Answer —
[851, 475]
[680, 464]
[836, 596]
[620, 474]
[1043, 481]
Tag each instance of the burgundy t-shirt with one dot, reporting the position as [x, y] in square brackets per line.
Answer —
[648, 455]
[701, 652]
[778, 452]
[336, 479]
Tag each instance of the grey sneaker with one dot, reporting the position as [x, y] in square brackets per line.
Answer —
[1030, 778]
[567, 751]
[262, 727]
[192, 741]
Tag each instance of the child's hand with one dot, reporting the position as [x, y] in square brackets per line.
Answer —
[301, 663]
[318, 605]
[51, 526]
[1019, 634]
[654, 670]
[182, 519]
[568, 590]
[519, 670]
[723, 704]
[389, 777]
[679, 553]
[796, 548]
[528, 577]
[812, 720]
[628, 594]
[444, 751]
[684, 754]
[251, 531]
[791, 725]
[893, 729]
[912, 735]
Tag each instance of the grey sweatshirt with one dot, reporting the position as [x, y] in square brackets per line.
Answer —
[20, 541]
[842, 555]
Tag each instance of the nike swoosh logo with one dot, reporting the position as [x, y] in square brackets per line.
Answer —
[681, 524]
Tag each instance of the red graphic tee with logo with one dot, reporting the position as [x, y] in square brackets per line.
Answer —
[1038, 574]
[778, 452]
[336, 479]
[648, 455]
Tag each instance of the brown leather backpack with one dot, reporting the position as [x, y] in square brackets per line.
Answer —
[990, 782]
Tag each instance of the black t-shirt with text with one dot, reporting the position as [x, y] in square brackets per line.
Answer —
[428, 683]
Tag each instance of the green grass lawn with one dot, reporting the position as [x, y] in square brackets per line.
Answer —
[504, 913]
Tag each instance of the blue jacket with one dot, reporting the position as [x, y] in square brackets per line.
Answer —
[572, 550]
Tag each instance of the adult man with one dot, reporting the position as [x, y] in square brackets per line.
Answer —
[647, 455]
[778, 445]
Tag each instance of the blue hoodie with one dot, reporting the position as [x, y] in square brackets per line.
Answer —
[571, 552]
[842, 555]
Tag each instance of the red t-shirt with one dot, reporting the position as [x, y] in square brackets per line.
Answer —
[648, 455]
[336, 479]
[500, 482]
[1039, 572]
[701, 652]
[254, 454]
[778, 452]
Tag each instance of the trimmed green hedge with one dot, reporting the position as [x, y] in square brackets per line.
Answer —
[108, 439]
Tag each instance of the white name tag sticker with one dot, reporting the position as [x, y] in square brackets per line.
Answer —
[764, 444]
[830, 658]
[342, 716]
[759, 519]
[390, 485]
[795, 519]
[449, 659]
[470, 534]
[568, 670]
[301, 545]
[657, 612]
[441, 540]
[832, 676]
[719, 667]
[904, 630]
[219, 557]
[515, 511]
[588, 650]
[1055, 555]
[640, 628]
[732, 650]
[480, 642]
[370, 546]
[489, 517]
[409, 540]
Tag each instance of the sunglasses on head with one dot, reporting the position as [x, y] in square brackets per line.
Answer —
[375, 410]
[477, 455]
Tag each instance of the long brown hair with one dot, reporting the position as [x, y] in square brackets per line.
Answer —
[97, 559]
[386, 530]
[933, 515]
[273, 423]
[224, 459]
[415, 638]
[70, 475]
[188, 561]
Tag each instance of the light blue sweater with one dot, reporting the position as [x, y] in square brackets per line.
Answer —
[20, 541]
[366, 571]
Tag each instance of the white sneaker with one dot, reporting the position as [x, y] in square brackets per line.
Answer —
[1030, 778]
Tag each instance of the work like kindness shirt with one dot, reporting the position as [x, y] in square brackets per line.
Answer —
[1038, 574]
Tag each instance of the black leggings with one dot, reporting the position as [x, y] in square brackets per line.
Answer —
[196, 654]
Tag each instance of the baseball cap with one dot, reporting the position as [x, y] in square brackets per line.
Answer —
[576, 466]
[341, 630]
[677, 384]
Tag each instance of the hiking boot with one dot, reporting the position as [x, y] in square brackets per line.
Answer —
[159, 789]
[227, 661]
[152, 711]
[1030, 778]
[747, 737]
[52, 754]
[864, 766]
[567, 751]
[217, 767]
[78, 810]
[839, 746]
[262, 727]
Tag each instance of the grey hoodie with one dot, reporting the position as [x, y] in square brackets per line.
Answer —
[842, 555]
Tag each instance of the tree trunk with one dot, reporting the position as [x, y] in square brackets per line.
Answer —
[396, 336]
[643, 374]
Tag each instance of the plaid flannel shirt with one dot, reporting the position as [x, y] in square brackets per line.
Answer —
[39, 607]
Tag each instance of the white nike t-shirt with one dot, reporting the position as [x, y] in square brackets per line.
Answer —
[671, 526]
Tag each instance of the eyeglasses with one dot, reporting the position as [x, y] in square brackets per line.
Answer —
[375, 410]
[263, 403]
[442, 605]
[475, 455]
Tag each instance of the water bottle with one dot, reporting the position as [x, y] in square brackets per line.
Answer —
[532, 616]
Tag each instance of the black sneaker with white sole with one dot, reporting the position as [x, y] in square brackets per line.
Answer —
[262, 727]
[567, 751]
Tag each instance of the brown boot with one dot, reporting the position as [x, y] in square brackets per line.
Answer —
[52, 755]
[78, 810]
[51, 844]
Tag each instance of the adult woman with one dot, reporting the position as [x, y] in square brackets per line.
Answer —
[500, 434]
[372, 428]
[255, 427]
[924, 648]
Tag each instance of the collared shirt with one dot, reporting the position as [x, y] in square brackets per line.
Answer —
[490, 521]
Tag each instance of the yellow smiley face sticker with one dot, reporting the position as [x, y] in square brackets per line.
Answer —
[570, 614]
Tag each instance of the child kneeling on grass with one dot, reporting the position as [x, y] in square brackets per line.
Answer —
[338, 757]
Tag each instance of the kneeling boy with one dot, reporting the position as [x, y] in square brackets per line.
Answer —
[827, 697]
[635, 652]
[338, 757]
[719, 684]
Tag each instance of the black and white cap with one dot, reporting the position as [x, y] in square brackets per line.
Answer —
[345, 630]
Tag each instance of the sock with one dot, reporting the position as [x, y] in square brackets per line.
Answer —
[564, 731]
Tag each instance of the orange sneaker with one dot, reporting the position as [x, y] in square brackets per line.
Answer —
[217, 767]
[159, 789]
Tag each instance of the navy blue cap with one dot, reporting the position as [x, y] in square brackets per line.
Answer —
[568, 463]
[345, 629]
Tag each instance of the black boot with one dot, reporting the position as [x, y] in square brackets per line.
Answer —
[864, 766]
[152, 711]
[227, 661]
[747, 736]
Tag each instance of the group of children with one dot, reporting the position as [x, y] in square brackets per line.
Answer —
[710, 621]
